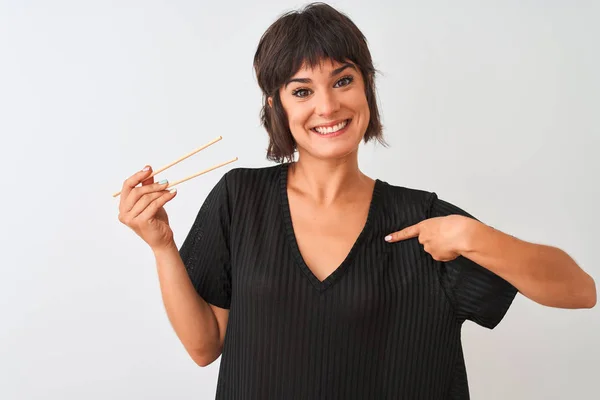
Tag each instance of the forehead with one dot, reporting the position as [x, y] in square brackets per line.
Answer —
[323, 66]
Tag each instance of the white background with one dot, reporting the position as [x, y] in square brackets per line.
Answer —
[493, 105]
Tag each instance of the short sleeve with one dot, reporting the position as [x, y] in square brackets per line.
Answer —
[476, 293]
[205, 250]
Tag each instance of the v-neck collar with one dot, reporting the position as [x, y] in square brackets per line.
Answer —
[293, 242]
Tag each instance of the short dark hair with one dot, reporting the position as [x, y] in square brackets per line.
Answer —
[310, 35]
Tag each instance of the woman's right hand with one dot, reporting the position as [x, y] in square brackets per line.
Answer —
[141, 209]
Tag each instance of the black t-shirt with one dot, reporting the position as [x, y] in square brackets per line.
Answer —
[386, 324]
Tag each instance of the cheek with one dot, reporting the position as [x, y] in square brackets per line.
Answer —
[357, 99]
[297, 113]
[367, 113]
[298, 116]
[361, 106]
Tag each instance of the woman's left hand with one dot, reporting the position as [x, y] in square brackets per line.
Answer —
[445, 238]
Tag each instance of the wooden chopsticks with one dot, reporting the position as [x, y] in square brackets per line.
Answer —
[183, 158]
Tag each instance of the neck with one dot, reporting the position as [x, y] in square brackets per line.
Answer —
[327, 181]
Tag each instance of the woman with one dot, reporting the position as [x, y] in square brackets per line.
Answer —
[328, 283]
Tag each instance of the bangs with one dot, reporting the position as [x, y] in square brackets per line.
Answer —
[315, 44]
[308, 39]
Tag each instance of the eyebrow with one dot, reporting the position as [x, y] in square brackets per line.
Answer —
[333, 73]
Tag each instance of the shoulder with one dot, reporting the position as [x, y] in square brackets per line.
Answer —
[246, 181]
[244, 173]
[424, 203]
[403, 199]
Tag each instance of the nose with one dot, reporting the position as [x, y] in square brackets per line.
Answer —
[327, 104]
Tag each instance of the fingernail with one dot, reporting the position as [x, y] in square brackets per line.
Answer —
[146, 169]
[388, 238]
[173, 190]
[163, 182]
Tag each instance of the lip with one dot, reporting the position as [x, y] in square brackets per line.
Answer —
[330, 124]
[334, 134]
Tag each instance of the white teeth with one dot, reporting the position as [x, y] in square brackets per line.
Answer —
[332, 129]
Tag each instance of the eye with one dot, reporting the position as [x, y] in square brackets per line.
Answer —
[301, 93]
[345, 81]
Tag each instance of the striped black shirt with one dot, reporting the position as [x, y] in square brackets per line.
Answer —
[386, 324]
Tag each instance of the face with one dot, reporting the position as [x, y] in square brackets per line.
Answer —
[327, 109]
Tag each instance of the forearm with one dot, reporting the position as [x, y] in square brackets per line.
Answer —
[191, 317]
[545, 274]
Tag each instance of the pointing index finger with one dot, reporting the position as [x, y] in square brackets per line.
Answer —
[406, 233]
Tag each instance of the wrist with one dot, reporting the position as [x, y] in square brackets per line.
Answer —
[471, 230]
[161, 250]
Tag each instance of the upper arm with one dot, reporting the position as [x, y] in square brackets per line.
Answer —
[222, 317]
[205, 250]
[476, 293]
[206, 356]
[206, 257]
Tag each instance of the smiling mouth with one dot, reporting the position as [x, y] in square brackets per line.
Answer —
[331, 129]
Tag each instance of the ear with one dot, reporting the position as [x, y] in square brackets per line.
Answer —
[270, 101]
